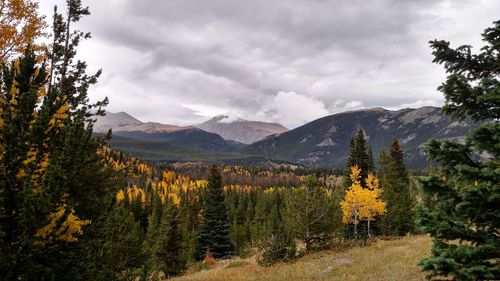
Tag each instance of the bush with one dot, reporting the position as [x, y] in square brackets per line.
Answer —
[277, 247]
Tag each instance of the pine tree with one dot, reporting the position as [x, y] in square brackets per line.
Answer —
[358, 156]
[122, 250]
[171, 252]
[214, 233]
[56, 188]
[309, 211]
[460, 203]
[362, 157]
[278, 244]
[395, 181]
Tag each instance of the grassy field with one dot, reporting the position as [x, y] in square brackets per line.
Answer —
[384, 260]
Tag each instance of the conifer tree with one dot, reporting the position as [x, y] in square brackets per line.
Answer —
[358, 156]
[122, 248]
[214, 233]
[309, 211]
[362, 157]
[55, 188]
[171, 252]
[460, 203]
[278, 244]
[395, 181]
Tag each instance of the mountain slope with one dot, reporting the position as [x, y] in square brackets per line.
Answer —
[122, 124]
[163, 151]
[325, 141]
[241, 130]
[114, 121]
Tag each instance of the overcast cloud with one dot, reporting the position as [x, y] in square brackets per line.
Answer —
[184, 61]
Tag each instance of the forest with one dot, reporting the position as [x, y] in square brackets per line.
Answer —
[72, 208]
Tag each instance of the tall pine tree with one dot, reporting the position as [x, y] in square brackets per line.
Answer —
[56, 191]
[460, 207]
[214, 233]
[361, 156]
[358, 156]
[395, 181]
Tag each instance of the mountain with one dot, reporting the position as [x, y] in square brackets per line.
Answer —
[325, 141]
[164, 151]
[124, 125]
[241, 130]
[114, 121]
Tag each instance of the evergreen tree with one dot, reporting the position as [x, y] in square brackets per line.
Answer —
[171, 252]
[395, 181]
[56, 190]
[278, 244]
[361, 157]
[309, 211]
[371, 163]
[358, 156]
[460, 204]
[122, 250]
[214, 233]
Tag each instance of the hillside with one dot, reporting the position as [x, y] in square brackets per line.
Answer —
[241, 130]
[124, 125]
[159, 151]
[325, 141]
[393, 260]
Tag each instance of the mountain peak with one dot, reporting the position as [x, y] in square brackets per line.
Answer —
[115, 120]
[241, 130]
[325, 141]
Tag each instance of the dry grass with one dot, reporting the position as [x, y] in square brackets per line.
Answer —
[384, 260]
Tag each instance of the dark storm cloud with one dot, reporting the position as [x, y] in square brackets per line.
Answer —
[286, 61]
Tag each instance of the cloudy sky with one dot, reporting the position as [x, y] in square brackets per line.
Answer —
[289, 61]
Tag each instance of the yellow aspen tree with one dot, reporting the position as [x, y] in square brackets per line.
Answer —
[20, 25]
[362, 204]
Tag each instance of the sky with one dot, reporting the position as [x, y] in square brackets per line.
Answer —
[286, 61]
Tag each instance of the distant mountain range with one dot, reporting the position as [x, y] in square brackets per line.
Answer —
[241, 130]
[124, 125]
[322, 142]
[325, 141]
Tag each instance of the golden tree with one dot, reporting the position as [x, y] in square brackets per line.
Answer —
[20, 25]
[362, 204]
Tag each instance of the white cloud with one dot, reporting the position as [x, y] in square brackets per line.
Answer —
[292, 109]
[183, 62]
[341, 106]
[417, 104]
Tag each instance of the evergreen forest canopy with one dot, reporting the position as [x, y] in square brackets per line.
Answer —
[71, 208]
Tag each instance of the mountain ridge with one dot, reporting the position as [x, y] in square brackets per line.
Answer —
[241, 130]
[325, 141]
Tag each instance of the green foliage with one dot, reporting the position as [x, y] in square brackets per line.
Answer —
[122, 247]
[171, 249]
[359, 155]
[214, 233]
[460, 204]
[311, 214]
[56, 191]
[278, 244]
[395, 181]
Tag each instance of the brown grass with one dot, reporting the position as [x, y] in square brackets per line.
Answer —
[384, 260]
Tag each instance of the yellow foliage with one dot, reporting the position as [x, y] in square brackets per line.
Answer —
[60, 115]
[20, 26]
[362, 203]
[175, 198]
[65, 231]
[120, 196]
